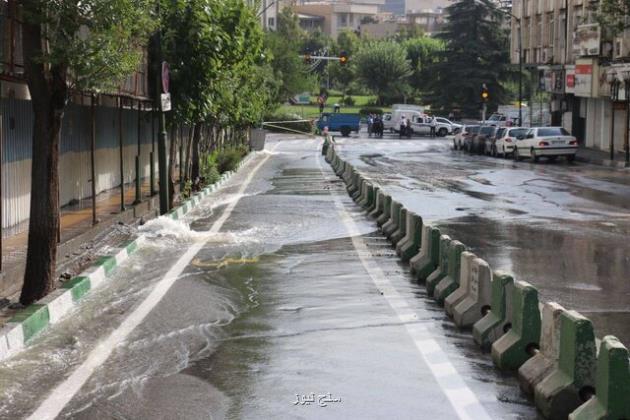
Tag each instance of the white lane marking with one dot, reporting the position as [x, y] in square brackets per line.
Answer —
[463, 400]
[64, 392]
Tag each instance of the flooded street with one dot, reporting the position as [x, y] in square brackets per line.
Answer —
[562, 227]
[277, 298]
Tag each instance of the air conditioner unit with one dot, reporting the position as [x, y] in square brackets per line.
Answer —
[621, 47]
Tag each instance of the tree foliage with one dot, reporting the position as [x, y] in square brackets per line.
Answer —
[383, 68]
[422, 53]
[614, 15]
[476, 53]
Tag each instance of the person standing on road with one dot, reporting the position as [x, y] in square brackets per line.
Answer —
[432, 123]
[370, 121]
[403, 126]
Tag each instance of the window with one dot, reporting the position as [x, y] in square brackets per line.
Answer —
[516, 132]
[271, 22]
[552, 131]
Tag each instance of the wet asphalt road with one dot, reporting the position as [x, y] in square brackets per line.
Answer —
[562, 227]
[281, 314]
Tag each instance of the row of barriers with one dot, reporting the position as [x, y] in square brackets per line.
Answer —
[553, 349]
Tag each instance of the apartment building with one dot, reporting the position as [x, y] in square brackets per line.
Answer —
[585, 72]
[331, 17]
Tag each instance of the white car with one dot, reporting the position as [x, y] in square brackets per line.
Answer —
[454, 128]
[506, 140]
[549, 142]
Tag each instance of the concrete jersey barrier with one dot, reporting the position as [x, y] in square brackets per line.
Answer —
[538, 367]
[391, 225]
[573, 376]
[612, 385]
[386, 213]
[496, 322]
[450, 283]
[512, 350]
[442, 270]
[379, 205]
[401, 232]
[427, 260]
[465, 272]
[411, 243]
[476, 303]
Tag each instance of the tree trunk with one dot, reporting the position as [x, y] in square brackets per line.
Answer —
[172, 171]
[188, 153]
[49, 92]
[194, 175]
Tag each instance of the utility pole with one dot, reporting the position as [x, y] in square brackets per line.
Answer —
[162, 176]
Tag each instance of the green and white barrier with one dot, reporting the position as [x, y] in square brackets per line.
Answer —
[516, 346]
[386, 213]
[365, 197]
[465, 272]
[401, 232]
[354, 182]
[379, 206]
[428, 259]
[411, 243]
[450, 283]
[442, 270]
[499, 320]
[572, 380]
[359, 188]
[391, 225]
[538, 367]
[612, 385]
[28, 322]
[477, 302]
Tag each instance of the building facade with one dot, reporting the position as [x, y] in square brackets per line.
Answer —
[585, 70]
[332, 17]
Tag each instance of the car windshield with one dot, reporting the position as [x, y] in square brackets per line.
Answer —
[552, 131]
[472, 129]
[500, 132]
[515, 132]
[487, 130]
[443, 120]
[496, 118]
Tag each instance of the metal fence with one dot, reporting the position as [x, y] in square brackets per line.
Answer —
[74, 161]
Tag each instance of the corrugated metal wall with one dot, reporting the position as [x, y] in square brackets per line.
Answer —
[74, 163]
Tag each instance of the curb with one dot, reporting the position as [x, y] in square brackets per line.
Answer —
[28, 322]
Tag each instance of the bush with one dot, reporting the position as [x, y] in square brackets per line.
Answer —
[370, 110]
[303, 127]
[348, 101]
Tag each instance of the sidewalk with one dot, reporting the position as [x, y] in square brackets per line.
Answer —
[599, 157]
[76, 229]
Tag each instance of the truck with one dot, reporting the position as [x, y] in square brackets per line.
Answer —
[336, 121]
[420, 123]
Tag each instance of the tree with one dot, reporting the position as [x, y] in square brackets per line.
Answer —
[284, 48]
[613, 15]
[383, 68]
[422, 53]
[68, 45]
[213, 47]
[476, 53]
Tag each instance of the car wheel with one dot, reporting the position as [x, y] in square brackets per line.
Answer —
[442, 132]
[532, 153]
[571, 158]
[345, 131]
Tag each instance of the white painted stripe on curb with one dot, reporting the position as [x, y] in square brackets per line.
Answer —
[97, 277]
[59, 303]
[64, 392]
[463, 400]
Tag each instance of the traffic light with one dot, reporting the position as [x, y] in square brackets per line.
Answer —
[343, 58]
[485, 94]
[307, 58]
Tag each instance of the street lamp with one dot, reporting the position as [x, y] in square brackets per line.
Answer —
[520, 56]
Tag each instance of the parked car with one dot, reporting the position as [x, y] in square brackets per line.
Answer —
[421, 125]
[491, 143]
[460, 138]
[506, 141]
[454, 128]
[336, 121]
[479, 139]
[549, 142]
